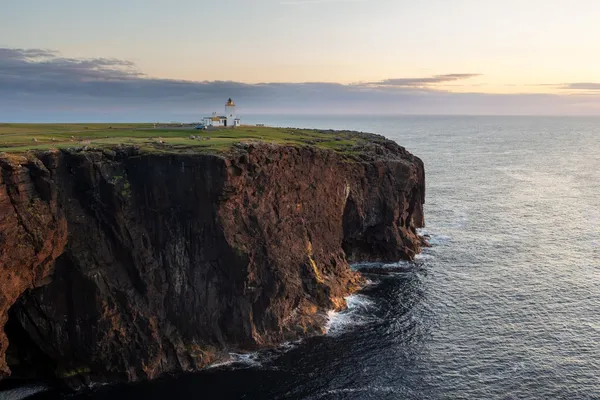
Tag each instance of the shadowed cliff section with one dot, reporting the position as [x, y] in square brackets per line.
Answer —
[33, 232]
[173, 259]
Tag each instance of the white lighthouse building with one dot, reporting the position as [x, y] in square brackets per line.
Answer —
[229, 119]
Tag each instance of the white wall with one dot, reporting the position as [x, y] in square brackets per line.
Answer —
[230, 114]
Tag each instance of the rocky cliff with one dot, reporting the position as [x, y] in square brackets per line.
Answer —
[123, 265]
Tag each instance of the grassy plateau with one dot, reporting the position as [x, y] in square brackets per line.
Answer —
[19, 138]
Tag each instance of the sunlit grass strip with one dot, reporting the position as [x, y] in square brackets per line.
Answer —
[17, 138]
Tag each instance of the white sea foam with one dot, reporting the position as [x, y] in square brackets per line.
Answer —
[240, 359]
[423, 232]
[249, 359]
[436, 240]
[359, 302]
[359, 312]
[219, 364]
[396, 265]
[96, 385]
[424, 256]
[254, 359]
[405, 265]
[22, 392]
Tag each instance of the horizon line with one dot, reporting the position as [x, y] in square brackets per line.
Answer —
[21, 122]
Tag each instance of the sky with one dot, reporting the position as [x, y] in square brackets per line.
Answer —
[177, 59]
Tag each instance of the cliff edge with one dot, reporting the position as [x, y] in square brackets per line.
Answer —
[121, 265]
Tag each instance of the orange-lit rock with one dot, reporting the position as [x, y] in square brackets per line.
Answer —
[173, 259]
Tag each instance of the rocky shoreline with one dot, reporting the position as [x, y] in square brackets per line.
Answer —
[119, 265]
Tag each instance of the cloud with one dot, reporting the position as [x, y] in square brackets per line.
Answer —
[42, 85]
[421, 82]
[45, 66]
[21, 54]
[581, 86]
[39, 72]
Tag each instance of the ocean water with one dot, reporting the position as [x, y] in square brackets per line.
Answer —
[504, 305]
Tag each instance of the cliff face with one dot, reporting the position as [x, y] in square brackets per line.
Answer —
[171, 260]
[33, 232]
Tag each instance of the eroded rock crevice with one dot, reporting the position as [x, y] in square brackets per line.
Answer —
[24, 357]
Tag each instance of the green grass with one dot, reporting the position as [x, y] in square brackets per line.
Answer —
[18, 138]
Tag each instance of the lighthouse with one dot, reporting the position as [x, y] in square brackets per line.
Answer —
[227, 120]
[230, 114]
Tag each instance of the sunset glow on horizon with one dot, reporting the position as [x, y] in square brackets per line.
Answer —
[506, 47]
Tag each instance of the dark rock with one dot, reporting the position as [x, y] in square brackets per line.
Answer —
[173, 259]
[33, 232]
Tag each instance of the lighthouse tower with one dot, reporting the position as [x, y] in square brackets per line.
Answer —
[230, 113]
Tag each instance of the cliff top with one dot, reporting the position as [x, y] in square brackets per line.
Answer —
[19, 138]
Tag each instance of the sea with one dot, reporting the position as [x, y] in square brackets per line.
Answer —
[505, 304]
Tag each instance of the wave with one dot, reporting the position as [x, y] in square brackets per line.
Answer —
[397, 268]
[437, 240]
[424, 256]
[247, 359]
[256, 359]
[359, 312]
[240, 360]
[22, 392]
